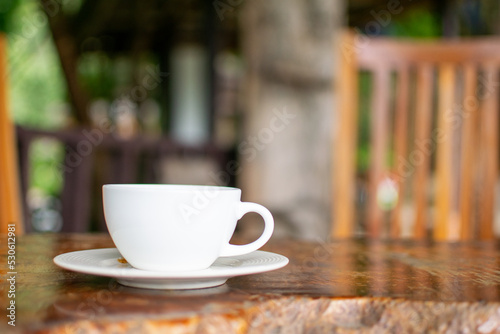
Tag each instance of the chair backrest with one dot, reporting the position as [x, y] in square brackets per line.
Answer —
[433, 147]
[94, 157]
[10, 197]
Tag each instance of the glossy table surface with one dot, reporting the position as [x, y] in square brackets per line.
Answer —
[336, 286]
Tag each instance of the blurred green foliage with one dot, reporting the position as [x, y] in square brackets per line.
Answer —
[7, 7]
[37, 87]
[45, 177]
[416, 23]
[96, 73]
[37, 94]
[363, 153]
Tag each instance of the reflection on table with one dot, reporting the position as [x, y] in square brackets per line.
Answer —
[327, 286]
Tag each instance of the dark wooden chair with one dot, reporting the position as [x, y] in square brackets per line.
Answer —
[89, 163]
[433, 144]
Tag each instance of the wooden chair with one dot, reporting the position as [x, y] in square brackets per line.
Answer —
[10, 199]
[107, 159]
[433, 141]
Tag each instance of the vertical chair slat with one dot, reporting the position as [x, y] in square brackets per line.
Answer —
[489, 143]
[400, 143]
[344, 159]
[468, 148]
[444, 152]
[420, 155]
[378, 149]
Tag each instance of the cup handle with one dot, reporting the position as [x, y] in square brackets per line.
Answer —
[244, 208]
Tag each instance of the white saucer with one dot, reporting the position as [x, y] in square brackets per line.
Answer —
[104, 262]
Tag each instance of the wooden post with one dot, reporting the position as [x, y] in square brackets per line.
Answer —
[10, 197]
[285, 150]
[445, 227]
[344, 161]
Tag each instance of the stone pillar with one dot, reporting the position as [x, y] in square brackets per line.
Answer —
[285, 150]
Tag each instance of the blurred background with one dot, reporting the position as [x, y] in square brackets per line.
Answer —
[227, 92]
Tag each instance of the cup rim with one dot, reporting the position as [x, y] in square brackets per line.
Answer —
[166, 187]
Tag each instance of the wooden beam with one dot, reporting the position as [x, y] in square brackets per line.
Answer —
[344, 159]
[68, 55]
[10, 197]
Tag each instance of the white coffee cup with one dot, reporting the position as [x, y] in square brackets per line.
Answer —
[177, 227]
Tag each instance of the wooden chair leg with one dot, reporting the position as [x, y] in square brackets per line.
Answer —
[76, 197]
